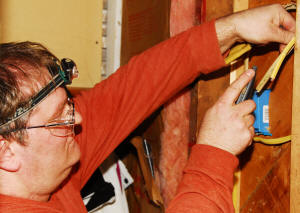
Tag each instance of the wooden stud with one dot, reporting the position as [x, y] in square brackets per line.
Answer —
[238, 5]
[295, 144]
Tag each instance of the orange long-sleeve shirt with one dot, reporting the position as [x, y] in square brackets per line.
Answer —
[117, 105]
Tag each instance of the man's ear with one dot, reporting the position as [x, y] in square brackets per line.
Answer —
[8, 160]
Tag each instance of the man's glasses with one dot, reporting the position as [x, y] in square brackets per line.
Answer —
[61, 127]
[67, 70]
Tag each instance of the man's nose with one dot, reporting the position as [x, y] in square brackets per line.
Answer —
[78, 118]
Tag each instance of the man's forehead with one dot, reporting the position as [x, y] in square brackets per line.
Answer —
[53, 103]
[36, 78]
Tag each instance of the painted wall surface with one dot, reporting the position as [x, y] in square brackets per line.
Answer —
[69, 28]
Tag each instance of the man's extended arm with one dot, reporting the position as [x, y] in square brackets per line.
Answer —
[227, 128]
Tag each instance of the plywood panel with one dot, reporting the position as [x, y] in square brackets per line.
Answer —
[145, 23]
[216, 9]
[211, 86]
[261, 165]
[265, 170]
[272, 194]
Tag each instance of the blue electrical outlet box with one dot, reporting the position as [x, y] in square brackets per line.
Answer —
[261, 113]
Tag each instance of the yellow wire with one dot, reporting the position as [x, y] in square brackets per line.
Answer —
[236, 52]
[272, 141]
[281, 57]
[266, 76]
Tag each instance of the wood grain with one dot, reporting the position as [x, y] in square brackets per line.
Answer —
[265, 179]
[295, 152]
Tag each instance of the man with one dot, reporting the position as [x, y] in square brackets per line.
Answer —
[43, 165]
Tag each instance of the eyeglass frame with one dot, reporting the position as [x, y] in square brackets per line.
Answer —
[71, 122]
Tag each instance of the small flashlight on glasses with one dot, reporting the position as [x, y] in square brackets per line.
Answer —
[69, 70]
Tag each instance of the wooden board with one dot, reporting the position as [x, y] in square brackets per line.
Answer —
[236, 69]
[145, 23]
[295, 152]
[267, 186]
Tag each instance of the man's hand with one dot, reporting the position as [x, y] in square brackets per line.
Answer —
[261, 25]
[227, 125]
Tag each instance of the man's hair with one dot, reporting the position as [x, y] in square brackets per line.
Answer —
[20, 74]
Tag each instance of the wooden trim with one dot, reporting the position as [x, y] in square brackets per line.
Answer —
[238, 5]
[236, 69]
[295, 144]
[113, 38]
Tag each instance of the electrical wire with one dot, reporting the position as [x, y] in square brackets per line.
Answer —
[272, 141]
[236, 52]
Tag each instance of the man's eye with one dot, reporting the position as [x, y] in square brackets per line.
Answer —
[63, 113]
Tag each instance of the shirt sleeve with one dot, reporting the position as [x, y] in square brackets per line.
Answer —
[117, 105]
[207, 182]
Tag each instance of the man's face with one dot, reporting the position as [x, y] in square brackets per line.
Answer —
[46, 160]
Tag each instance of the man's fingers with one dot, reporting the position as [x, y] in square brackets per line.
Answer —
[245, 107]
[285, 29]
[249, 120]
[233, 91]
[282, 36]
[252, 131]
[287, 21]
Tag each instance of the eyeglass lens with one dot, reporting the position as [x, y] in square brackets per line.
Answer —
[65, 126]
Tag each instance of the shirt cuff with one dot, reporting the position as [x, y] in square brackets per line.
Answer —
[211, 160]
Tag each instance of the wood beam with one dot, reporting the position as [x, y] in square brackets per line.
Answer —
[295, 144]
[237, 68]
[238, 5]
